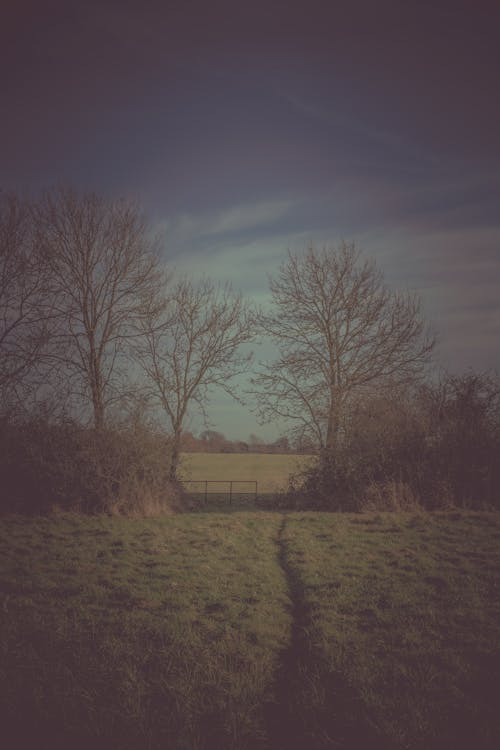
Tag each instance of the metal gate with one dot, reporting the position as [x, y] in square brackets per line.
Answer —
[206, 491]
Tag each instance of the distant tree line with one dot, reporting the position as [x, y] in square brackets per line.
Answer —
[212, 441]
[105, 352]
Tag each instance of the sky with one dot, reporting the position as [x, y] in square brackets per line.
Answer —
[248, 128]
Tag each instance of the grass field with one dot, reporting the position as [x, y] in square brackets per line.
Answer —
[270, 471]
[251, 630]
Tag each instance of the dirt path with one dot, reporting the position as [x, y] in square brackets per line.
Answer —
[285, 726]
[315, 708]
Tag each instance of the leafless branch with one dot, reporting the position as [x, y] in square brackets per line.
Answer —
[103, 269]
[191, 344]
[338, 329]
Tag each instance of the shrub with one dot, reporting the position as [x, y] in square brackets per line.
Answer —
[65, 466]
[389, 496]
[436, 447]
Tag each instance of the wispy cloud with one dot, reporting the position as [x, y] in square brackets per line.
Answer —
[347, 122]
[186, 230]
[241, 218]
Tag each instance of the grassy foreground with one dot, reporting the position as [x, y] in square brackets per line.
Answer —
[140, 634]
[251, 630]
[402, 614]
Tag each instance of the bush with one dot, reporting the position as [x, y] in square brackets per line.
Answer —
[330, 484]
[65, 466]
[435, 448]
[389, 496]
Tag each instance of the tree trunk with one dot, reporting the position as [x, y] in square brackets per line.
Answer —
[174, 455]
[98, 409]
[332, 427]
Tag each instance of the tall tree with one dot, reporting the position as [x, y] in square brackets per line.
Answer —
[23, 298]
[338, 329]
[102, 268]
[192, 345]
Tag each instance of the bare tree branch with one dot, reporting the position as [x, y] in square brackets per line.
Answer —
[24, 307]
[190, 345]
[337, 329]
[102, 269]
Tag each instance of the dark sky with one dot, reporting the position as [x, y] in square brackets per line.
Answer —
[247, 128]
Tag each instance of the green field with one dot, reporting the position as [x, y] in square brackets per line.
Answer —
[251, 630]
[270, 471]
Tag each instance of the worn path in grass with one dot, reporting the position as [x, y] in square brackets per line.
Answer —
[252, 631]
[284, 727]
[294, 723]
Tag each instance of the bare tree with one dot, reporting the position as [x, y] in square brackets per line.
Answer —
[102, 268]
[192, 345]
[22, 294]
[338, 329]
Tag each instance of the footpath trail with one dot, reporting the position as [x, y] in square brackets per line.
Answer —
[284, 720]
[315, 708]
